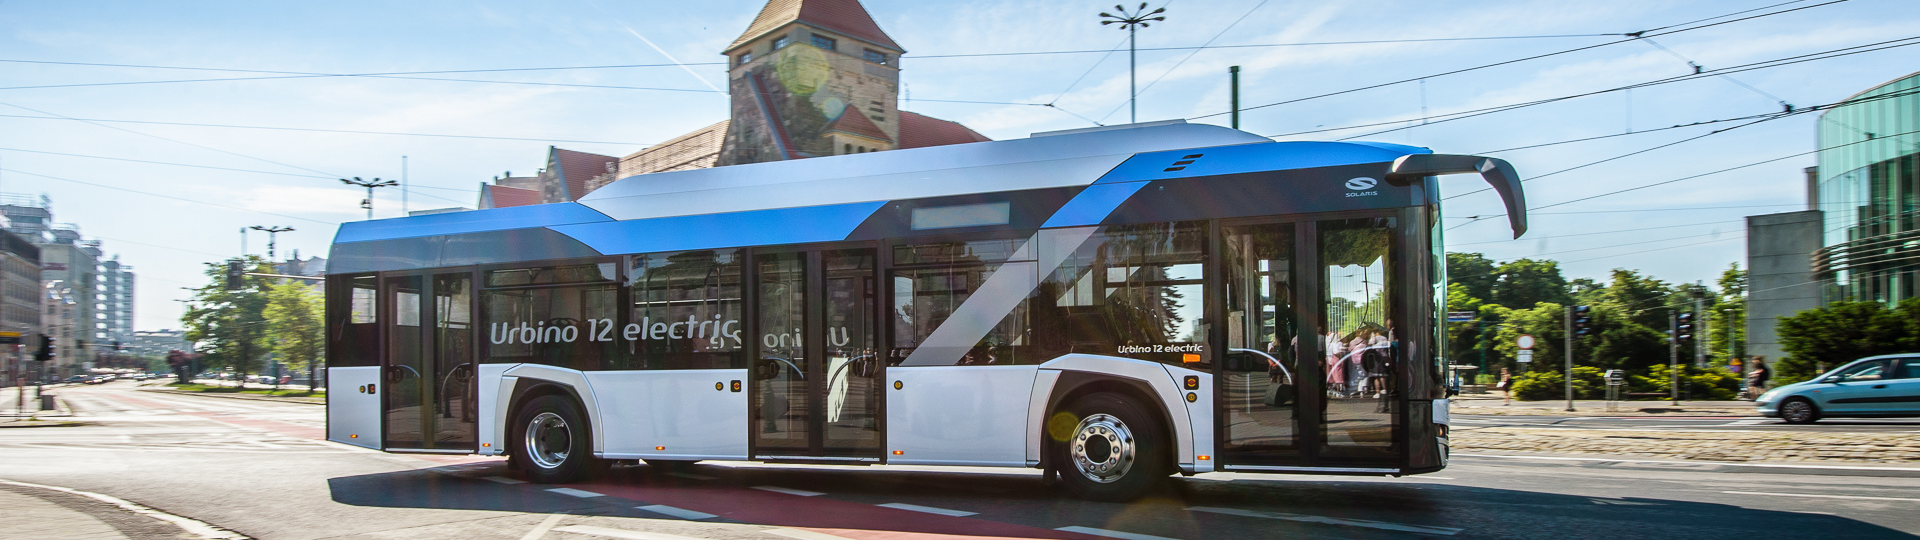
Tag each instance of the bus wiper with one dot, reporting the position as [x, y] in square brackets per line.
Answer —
[1496, 171]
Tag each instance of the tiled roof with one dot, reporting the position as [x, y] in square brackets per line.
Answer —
[505, 197]
[578, 168]
[696, 150]
[846, 17]
[920, 131]
[854, 122]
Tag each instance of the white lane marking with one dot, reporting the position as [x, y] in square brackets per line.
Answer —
[928, 509]
[1425, 477]
[575, 493]
[504, 480]
[191, 526]
[789, 491]
[1111, 534]
[1854, 497]
[681, 513]
[541, 529]
[1677, 462]
[1421, 529]
[801, 534]
[690, 476]
[621, 533]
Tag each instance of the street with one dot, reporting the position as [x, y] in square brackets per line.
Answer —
[259, 468]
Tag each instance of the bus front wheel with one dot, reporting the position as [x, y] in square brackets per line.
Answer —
[1115, 453]
[552, 444]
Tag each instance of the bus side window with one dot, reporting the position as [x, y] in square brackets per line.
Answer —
[353, 334]
[555, 316]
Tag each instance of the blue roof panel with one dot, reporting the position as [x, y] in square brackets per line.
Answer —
[496, 219]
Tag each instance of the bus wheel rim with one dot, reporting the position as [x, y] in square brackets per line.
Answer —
[1103, 448]
[548, 440]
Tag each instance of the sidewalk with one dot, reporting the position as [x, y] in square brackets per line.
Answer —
[1731, 446]
[27, 413]
[1493, 403]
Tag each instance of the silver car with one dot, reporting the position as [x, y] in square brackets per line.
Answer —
[1876, 386]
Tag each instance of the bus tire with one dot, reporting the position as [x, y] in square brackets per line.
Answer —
[1116, 452]
[1799, 410]
[551, 441]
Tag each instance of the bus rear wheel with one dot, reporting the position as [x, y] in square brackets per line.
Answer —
[551, 441]
[1115, 453]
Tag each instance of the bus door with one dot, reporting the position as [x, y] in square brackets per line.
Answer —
[816, 379]
[428, 368]
[1310, 380]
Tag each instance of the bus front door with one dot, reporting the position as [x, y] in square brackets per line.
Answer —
[428, 369]
[816, 380]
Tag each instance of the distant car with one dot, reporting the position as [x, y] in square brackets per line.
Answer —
[1876, 386]
[76, 379]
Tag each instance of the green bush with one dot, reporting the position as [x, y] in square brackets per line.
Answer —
[1547, 385]
[1711, 384]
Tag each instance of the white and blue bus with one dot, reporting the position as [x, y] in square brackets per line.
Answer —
[1112, 305]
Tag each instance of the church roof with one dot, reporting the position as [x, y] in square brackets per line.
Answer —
[507, 197]
[576, 168]
[921, 131]
[846, 17]
[854, 122]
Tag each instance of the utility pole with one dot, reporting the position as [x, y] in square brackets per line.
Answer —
[1700, 345]
[1128, 21]
[273, 235]
[1235, 72]
[367, 203]
[1673, 356]
[1569, 377]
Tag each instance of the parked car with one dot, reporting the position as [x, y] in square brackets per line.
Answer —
[1876, 386]
[77, 379]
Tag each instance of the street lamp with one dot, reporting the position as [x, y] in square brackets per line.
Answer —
[274, 232]
[1128, 20]
[367, 203]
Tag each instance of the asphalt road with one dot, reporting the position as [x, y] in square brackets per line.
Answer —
[1736, 423]
[259, 468]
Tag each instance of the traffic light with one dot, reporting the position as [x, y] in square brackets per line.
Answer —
[1683, 328]
[1582, 321]
[236, 273]
[46, 349]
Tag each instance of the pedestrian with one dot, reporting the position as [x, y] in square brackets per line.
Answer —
[1757, 377]
[1506, 385]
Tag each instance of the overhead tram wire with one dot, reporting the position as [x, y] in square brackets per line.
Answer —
[1633, 37]
[316, 130]
[150, 194]
[210, 167]
[172, 140]
[1512, 240]
[1631, 154]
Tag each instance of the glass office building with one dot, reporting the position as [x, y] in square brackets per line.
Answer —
[1869, 190]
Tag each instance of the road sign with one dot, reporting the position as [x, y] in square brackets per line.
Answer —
[1460, 316]
[1526, 356]
[9, 338]
[1525, 342]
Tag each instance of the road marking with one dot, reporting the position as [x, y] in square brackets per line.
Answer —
[1673, 462]
[928, 509]
[681, 513]
[621, 533]
[690, 476]
[191, 526]
[802, 534]
[504, 480]
[1422, 529]
[1111, 534]
[575, 493]
[789, 491]
[541, 529]
[1854, 497]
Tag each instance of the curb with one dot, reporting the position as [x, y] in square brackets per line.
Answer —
[223, 396]
[193, 527]
[54, 424]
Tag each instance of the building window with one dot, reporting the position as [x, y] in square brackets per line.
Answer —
[824, 42]
[746, 57]
[780, 43]
[876, 57]
[848, 150]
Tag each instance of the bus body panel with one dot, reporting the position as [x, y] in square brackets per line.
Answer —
[1037, 414]
[1165, 387]
[672, 414]
[1199, 416]
[575, 380]
[353, 406]
[958, 415]
[496, 392]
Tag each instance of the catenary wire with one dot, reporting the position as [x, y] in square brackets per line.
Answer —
[316, 130]
[151, 194]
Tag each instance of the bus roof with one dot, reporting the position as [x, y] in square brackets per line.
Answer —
[846, 189]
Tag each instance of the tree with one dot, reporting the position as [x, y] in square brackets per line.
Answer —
[1728, 335]
[1546, 322]
[230, 325]
[1526, 282]
[1474, 273]
[295, 326]
[1642, 299]
[1818, 339]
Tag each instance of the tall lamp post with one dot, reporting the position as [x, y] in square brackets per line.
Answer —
[369, 184]
[1128, 20]
[272, 237]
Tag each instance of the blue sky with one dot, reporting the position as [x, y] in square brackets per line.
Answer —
[288, 175]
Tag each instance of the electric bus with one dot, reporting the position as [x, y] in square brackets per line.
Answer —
[1111, 305]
